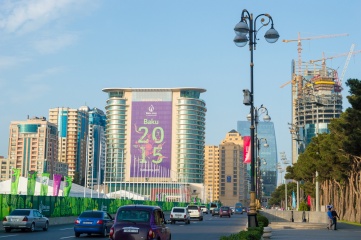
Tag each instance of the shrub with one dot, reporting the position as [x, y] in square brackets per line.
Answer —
[251, 234]
[304, 207]
[262, 220]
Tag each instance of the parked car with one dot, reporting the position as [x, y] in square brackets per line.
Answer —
[93, 222]
[179, 214]
[225, 211]
[139, 222]
[195, 212]
[25, 219]
[204, 209]
[215, 211]
[233, 209]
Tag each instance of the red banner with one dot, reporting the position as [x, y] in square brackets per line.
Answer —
[247, 149]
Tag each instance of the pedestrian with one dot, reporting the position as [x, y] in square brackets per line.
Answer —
[334, 218]
[330, 219]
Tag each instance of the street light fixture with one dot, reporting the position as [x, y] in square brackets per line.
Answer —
[247, 25]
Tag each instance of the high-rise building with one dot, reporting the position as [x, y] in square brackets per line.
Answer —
[95, 163]
[211, 173]
[267, 156]
[155, 135]
[72, 132]
[33, 145]
[5, 168]
[233, 184]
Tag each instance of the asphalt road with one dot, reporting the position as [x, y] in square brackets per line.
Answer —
[211, 228]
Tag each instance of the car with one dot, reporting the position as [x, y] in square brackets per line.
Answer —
[204, 209]
[215, 211]
[25, 219]
[139, 222]
[93, 222]
[232, 210]
[225, 211]
[195, 212]
[179, 214]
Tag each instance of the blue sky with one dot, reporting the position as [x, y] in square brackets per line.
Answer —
[63, 53]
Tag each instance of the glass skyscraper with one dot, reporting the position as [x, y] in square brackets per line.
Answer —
[267, 155]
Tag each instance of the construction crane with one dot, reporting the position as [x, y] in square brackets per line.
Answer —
[299, 49]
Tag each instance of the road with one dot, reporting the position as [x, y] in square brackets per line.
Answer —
[211, 228]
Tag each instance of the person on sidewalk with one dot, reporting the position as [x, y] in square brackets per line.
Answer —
[334, 218]
[330, 219]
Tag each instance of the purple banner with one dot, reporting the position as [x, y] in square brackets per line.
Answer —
[151, 139]
[56, 184]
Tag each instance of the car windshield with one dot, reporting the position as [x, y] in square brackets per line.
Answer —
[133, 215]
[91, 215]
[20, 213]
[224, 208]
[192, 207]
[180, 210]
[203, 206]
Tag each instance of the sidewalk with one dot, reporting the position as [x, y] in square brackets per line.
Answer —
[310, 231]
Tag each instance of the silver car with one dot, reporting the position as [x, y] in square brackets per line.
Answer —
[25, 219]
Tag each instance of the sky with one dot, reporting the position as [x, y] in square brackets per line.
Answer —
[63, 53]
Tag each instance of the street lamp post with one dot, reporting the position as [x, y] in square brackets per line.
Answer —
[247, 25]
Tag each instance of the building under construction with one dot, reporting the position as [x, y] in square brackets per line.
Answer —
[317, 99]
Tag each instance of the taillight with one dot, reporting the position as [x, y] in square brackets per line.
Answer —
[151, 234]
[100, 222]
[171, 215]
[25, 219]
[199, 210]
[185, 216]
[5, 219]
[111, 233]
[77, 221]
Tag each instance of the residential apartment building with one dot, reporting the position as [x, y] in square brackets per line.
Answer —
[211, 173]
[72, 127]
[5, 168]
[33, 145]
[155, 135]
[233, 184]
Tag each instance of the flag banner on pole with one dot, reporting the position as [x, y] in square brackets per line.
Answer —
[247, 149]
[293, 200]
[15, 181]
[56, 184]
[31, 183]
[309, 200]
[67, 186]
[44, 184]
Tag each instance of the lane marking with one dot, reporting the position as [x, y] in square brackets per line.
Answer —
[66, 237]
[9, 236]
[63, 229]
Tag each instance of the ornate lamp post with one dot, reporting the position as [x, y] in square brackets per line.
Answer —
[247, 26]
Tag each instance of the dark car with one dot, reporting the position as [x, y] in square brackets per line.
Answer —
[139, 222]
[225, 211]
[25, 219]
[215, 211]
[93, 222]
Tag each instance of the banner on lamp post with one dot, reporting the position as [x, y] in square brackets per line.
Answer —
[15, 181]
[56, 184]
[44, 184]
[31, 183]
[247, 149]
[67, 186]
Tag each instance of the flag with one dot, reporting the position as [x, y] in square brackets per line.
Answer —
[31, 183]
[44, 184]
[309, 200]
[15, 181]
[56, 184]
[67, 186]
[247, 149]
[293, 200]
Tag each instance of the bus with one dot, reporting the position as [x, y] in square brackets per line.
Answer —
[212, 206]
[238, 208]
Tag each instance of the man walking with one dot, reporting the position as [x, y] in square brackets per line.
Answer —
[334, 218]
[330, 219]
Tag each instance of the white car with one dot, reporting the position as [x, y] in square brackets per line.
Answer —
[180, 214]
[195, 212]
[204, 209]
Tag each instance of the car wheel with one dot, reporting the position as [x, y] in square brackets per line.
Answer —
[32, 228]
[220, 215]
[7, 229]
[45, 228]
[189, 221]
[77, 234]
[105, 233]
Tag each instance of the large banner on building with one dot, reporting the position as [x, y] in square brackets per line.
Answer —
[247, 149]
[31, 182]
[67, 186]
[151, 137]
[15, 181]
[44, 184]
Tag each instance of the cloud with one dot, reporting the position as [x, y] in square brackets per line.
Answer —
[47, 46]
[10, 61]
[44, 74]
